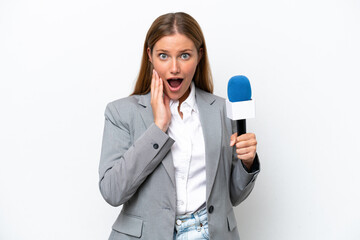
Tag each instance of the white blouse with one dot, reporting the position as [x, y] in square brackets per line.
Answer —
[188, 153]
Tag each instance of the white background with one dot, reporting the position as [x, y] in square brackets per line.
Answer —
[61, 62]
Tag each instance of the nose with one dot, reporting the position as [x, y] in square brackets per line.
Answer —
[175, 67]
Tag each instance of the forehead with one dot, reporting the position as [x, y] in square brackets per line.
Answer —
[175, 42]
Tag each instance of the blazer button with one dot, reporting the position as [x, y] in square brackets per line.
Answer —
[211, 209]
[156, 146]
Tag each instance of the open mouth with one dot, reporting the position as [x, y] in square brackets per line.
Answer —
[175, 83]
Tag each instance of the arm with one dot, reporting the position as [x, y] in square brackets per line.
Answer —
[124, 167]
[245, 166]
[242, 182]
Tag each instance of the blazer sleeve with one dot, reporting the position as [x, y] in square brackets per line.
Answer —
[242, 181]
[124, 165]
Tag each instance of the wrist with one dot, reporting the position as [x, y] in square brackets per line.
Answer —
[162, 126]
[247, 165]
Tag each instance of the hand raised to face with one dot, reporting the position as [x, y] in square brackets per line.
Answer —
[160, 103]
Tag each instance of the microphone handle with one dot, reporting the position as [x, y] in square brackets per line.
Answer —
[241, 126]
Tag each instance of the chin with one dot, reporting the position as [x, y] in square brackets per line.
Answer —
[173, 96]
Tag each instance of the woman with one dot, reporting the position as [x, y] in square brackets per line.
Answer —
[166, 155]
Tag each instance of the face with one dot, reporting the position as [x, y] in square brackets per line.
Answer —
[175, 59]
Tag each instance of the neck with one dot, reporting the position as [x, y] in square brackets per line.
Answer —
[181, 100]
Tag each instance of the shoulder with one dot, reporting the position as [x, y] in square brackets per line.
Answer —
[123, 109]
[124, 103]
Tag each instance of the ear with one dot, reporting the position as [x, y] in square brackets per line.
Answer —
[149, 54]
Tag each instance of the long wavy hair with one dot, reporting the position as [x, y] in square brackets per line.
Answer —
[166, 25]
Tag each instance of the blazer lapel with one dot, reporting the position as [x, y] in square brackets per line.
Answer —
[148, 117]
[211, 124]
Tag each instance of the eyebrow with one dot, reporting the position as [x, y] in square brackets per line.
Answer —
[163, 50]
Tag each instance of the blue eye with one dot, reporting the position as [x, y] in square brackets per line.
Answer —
[185, 56]
[162, 56]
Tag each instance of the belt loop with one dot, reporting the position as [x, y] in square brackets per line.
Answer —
[197, 221]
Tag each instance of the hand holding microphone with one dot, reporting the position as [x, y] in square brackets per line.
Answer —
[245, 147]
[239, 107]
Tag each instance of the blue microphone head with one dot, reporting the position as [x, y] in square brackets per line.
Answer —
[239, 89]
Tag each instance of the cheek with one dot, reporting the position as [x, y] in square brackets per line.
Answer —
[159, 68]
[190, 70]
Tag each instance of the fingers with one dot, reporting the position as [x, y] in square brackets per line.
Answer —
[246, 140]
[152, 86]
[244, 151]
[167, 101]
[245, 146]
[160, 103]
[233, 139]
[243, 141]
[246, 143]
[247, 158]
[156, 87]
[246, 136]
[160, 87]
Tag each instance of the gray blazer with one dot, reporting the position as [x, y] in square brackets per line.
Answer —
[136, 170]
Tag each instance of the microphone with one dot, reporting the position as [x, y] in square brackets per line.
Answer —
[239, 105]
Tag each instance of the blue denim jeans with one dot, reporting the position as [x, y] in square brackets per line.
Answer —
[192, 226]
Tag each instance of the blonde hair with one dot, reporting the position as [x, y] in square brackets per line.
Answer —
[169, 24]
